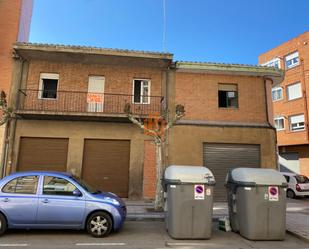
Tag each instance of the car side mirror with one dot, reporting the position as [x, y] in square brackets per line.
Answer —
[77, 193]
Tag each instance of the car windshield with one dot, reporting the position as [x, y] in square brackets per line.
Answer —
[302, 179]
[86, 186]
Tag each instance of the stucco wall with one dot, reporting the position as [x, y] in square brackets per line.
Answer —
[76, 132]
[186, 142]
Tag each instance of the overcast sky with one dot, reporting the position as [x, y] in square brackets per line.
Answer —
[230, 31]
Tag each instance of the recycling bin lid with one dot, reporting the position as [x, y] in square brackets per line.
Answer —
[188, 174]
[256, 176]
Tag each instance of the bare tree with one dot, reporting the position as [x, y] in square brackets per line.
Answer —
[156, 126]
[6, 113]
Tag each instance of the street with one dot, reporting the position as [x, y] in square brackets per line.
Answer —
[138, 234]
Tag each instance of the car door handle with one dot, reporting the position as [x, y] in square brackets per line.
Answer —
[45, 201]
[6, 199]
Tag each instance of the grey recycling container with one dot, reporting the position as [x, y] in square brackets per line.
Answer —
[189, 201]
[257, 203]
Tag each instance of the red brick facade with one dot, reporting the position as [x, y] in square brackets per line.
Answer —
[15, 16]
[149, 172]
[199, 94]
[288, 140]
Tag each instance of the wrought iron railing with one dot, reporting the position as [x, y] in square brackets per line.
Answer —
[85, 102]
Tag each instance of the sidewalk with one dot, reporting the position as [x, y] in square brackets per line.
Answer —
[297, 217]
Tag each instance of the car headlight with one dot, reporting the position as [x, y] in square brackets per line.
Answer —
[111, 200]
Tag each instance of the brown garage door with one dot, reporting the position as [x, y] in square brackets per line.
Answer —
[106, 165]
[220, 158]
[42, 154]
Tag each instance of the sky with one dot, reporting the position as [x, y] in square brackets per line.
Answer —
[227, 31]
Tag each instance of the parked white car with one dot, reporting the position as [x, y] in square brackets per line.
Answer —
[298, 185]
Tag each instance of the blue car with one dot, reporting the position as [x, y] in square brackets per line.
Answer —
[55, 200]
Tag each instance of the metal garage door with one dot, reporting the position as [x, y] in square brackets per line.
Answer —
[289, 162]
[42, 154]
[221, 157]
[106, 165]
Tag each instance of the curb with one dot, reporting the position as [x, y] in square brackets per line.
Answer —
[298, 236]
[149, 218]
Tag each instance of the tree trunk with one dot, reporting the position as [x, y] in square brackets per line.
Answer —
[159, 190]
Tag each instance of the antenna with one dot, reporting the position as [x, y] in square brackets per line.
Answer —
[164, 27]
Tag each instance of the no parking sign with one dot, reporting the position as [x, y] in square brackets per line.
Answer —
[273, 193]
[199, 192]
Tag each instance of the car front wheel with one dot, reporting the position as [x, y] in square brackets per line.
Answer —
[290, 194]
[3, 224]
[99, 224]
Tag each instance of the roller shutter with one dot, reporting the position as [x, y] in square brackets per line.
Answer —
[106, 165]
[42, 154]
[220, 158]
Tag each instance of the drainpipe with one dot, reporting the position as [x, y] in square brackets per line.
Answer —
[303, 83]
[270, 122]
[11, 125]
[4, 149]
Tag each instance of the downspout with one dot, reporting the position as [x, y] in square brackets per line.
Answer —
[266, 101]
[12, 123]
[305, 97]
[5, 149]
[269, 122]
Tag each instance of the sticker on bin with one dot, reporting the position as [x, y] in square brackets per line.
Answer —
[273, 193]
[199, 192]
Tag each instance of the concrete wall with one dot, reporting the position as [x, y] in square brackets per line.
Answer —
[77, 131]
[186, 142]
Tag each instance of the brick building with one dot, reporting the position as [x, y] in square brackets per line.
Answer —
[69, 103]
[15, 17]
[290, 102]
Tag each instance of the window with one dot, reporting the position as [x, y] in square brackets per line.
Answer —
[297, 122]
[22, 185]
[294, 91]
[291, 60]
[276, 93]
[57, 186]
[48, 85]
[272, 63]
[302, 179]
[227, 95]
[141, 91]
[279, 123]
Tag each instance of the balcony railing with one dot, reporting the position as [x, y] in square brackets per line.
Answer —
[85, 102]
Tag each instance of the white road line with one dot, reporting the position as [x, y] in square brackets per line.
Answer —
[11, 245]
[100, 244]
[186, 244]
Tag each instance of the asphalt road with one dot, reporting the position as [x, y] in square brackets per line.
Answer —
[137, 234]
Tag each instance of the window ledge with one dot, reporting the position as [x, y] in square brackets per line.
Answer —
[294, 66]
[228, 108]
[291, 100]
[297, 131]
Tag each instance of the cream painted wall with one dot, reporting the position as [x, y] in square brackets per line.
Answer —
[77, 131]
[186, 142]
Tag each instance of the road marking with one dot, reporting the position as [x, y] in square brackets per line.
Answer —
[100, 244]
[186, 244]
[8, 245]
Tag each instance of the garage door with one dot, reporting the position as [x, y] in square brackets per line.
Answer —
[106, 165]
[220, 158]
[42, 154]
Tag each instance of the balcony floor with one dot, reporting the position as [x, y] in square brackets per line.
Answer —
[73, 116]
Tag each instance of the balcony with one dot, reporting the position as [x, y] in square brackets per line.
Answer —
[75, 105]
